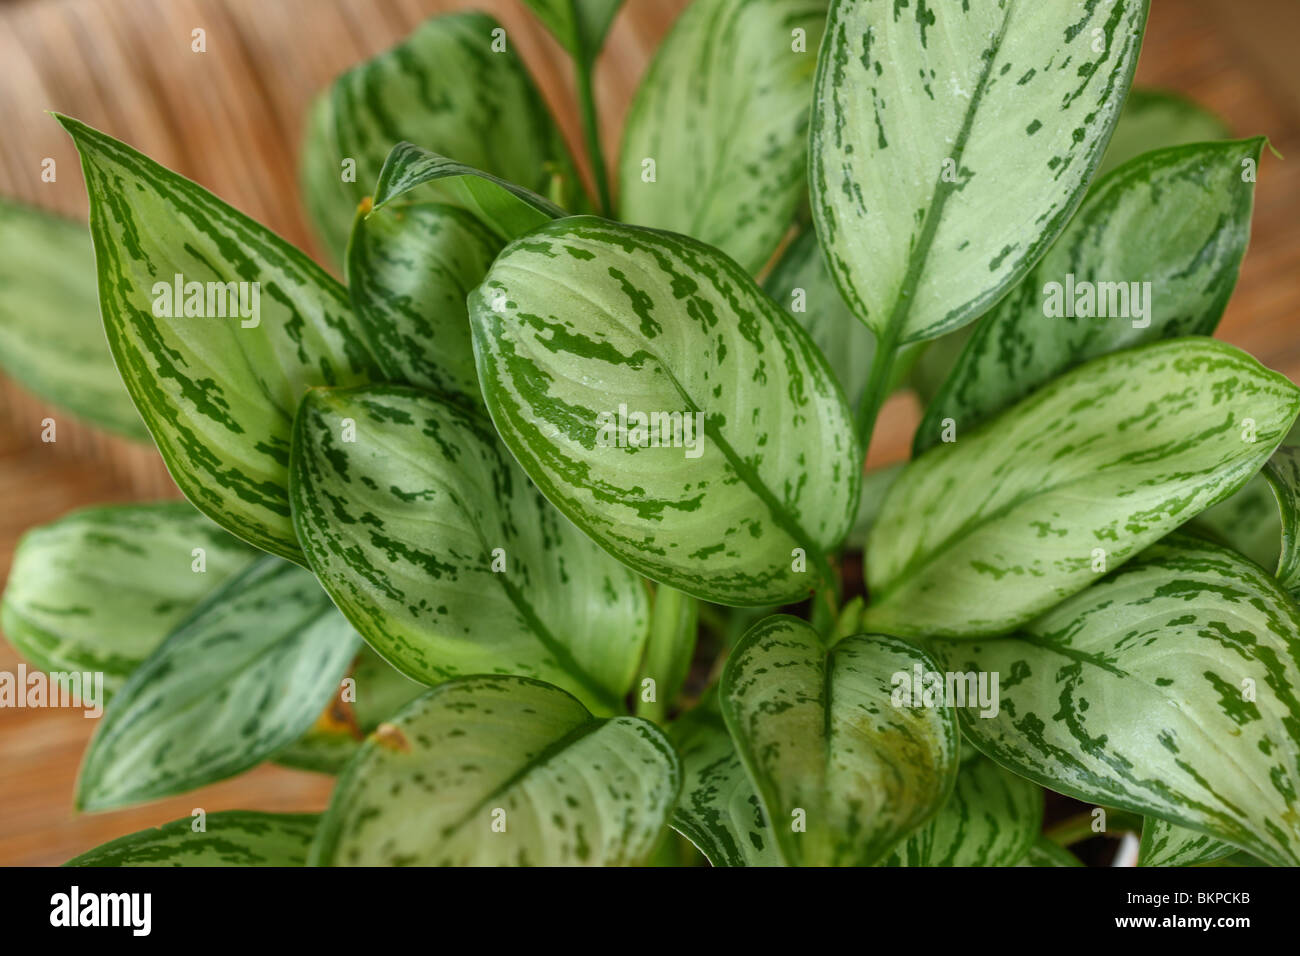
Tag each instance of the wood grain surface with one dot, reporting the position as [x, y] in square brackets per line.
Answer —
[231, 119]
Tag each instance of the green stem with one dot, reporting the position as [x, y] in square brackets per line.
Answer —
[591, 130]
[882, 366]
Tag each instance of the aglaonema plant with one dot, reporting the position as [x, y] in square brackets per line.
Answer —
[542, 529]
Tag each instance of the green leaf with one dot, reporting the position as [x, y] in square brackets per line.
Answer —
[329, 201]
[244, 676]
[505, 209]
[801, 283]
[1155, 119]
[979, 536]
[51, 339]
[218, 394]
[1168, 689]
[579, 25]
[827, 748]
[1165, 844]
[1046, 853]
[231, 838]
[444, 556]
[1165, 235]
[447, 90]
[584, 316]
[718, 810]
[1247, 521]
[674, 627]
[1282, 472]
[409, 270]
[991, 819]
[875, 488]
[501, 771]
[723, 114]
[99, 589]
[950, 145]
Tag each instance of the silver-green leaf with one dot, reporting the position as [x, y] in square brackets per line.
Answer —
[216, 385]
[843, 772]
[244, 676]
[950, 144]
[1166, 844]
[51, 339]
[979, 536]
[1282, 472]
[446, 558]
[716, 139]
[229, 838]
[501, 771]
[1169, 688]
[1153, 253]
[748, 472]
[1156, 119]
[446, 89]
[99, 589]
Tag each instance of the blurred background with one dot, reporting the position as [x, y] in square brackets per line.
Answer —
[232, 118]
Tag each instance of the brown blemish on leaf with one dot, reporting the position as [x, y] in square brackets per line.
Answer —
[389, 736]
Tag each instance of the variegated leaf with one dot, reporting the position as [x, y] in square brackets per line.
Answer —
[230, 838]
[1046, 853]
[951, 143]
[747, 475]
[1168, 689]
[875, 487]
[244, 676]
[1156, 119]
[99, 589]
[1247, 521]
[51, 339]
[217, 389]
[1152, 254]
[1282, 472]
[716, 139]
[579, 25]
[674, 626]
[330, 202]
[446, 558]
[446, 89]
[409, 269]
[501, 771]
[801, 283]
[979, 536]
[843, 771]
[991, 819]
[718, 810]
[414, 174]
[1166, 844]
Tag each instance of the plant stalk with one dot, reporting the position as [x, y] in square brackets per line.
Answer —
[582, 67]
[882, 366]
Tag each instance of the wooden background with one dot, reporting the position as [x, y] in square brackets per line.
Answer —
[231, 118]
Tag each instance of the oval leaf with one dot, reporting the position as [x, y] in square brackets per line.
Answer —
[1169, 689]
[99, 589]
[409, 269]
[842, 771]
[1282, 472]
[243, 677]
[1156, 119]
[719, 810]
[1152, 254]
[579, 25]
[979, 536]
[232, 838]
[51, 339]
[713, 155]
[446, 558]
[951, 143]
[217, 389]
[1165, 844]
[490, 771]
[991, 819]
[753, 474]
[446, 89]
